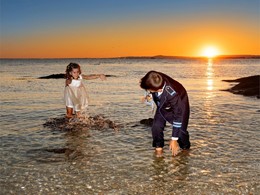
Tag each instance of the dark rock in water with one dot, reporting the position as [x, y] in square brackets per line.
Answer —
[58, 150]
[247, 86]
[148, 122]
[62, 76]
[53, 76]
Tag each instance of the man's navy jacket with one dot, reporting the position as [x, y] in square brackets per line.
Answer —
[173, 105]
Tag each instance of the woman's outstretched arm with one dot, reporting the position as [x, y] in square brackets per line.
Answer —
[94, 76]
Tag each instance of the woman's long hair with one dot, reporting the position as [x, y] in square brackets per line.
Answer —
[69, 69]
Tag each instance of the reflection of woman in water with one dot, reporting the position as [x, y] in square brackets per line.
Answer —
[75, 93]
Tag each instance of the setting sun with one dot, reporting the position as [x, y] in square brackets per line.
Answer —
[210, 52]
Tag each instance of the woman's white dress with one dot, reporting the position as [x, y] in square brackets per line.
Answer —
[75, 95]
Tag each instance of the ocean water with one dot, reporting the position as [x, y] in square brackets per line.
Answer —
[224, 131]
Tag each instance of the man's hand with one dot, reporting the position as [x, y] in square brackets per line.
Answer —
[174, 147]
[146, 98]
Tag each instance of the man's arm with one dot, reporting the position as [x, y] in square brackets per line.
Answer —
[176, 126]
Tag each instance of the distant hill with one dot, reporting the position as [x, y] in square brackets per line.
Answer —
[187, 57]
[239, 56]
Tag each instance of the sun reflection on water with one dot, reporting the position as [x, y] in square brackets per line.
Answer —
[209, 74]
[209, 93]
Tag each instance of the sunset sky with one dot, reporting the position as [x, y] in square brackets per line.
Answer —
[116, 28]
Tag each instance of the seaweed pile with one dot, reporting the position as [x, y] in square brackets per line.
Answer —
[97, 122]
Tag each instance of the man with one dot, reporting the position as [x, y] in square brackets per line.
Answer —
[172, 103]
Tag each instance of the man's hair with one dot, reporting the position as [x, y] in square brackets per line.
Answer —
[152, 80]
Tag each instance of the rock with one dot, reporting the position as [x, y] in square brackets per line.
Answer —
[148, 122]
[62, 76]
[53, 76]
[57, 150]
[247, 86]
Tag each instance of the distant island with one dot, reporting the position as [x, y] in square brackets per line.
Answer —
[188, 57]
[247, 86]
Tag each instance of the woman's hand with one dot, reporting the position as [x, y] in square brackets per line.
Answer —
[174, 147]
[102, 77]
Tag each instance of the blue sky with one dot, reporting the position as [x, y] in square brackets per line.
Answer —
[26, 15]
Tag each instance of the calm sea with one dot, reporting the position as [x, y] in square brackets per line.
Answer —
[224, 131]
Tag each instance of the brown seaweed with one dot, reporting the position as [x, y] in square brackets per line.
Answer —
[82, 123]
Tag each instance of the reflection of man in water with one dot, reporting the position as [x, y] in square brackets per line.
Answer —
[178, 169]
[173, 106]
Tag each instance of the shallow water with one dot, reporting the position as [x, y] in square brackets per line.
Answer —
[224, 131]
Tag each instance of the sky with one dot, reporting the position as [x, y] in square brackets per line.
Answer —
[119, 28]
